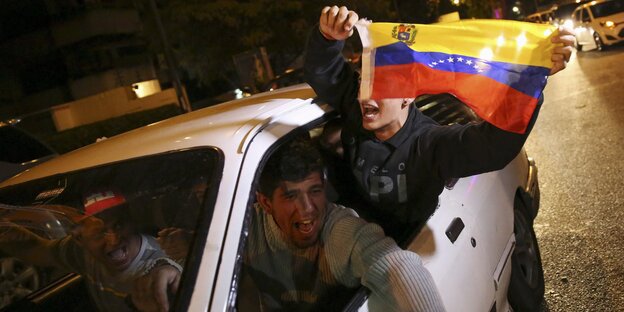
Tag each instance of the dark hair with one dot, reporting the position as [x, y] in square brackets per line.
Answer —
[292, 162]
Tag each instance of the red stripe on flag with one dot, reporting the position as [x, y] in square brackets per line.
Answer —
[495, 102]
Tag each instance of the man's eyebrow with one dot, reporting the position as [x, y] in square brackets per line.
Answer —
[286, 191]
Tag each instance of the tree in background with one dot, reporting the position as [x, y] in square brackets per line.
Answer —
[204, 35]
[478, 8]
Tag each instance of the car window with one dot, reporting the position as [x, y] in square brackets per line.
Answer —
[252, 285]
[607, 8]
[110, 224]
[585, 16]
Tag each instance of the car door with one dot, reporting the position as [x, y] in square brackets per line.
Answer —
[583, 30]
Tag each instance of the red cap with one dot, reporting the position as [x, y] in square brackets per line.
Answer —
[99, 201]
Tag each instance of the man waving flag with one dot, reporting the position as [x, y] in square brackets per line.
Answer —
[496, 67]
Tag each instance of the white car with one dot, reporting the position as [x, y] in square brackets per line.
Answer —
[598, 24]
[199, 171]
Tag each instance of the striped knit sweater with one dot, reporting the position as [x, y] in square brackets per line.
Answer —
[350, 252]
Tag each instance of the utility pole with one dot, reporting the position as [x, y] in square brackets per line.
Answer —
[173, 69]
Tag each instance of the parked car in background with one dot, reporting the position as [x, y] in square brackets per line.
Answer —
[598, 24]
[289, 77]
[199, 172]
[542, 17]
[20, 151]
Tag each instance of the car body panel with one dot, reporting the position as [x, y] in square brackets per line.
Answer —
[492, 233]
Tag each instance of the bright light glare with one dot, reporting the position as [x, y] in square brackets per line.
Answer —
[568, 23]
[609, 24]
[146, 88]
[456, 2]
[521, 40]
[515, 9]
[486, 54]
[500, 40]
[547, 32]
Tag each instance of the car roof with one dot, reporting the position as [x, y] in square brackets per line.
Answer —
[591, 3]
[227, 126]
[566, 9]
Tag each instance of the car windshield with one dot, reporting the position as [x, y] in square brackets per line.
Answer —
[564, 11]
[108, 223]
[607, 8]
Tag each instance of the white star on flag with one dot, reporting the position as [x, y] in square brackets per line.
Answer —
[478, 66]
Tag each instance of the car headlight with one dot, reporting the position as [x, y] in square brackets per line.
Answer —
[608, 24]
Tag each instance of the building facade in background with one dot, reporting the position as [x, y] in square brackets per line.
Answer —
[59, 51]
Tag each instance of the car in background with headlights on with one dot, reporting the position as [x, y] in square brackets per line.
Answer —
[598, 24]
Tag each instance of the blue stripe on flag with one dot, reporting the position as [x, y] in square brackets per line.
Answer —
[529, 80]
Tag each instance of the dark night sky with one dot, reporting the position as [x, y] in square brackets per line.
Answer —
[18, 17]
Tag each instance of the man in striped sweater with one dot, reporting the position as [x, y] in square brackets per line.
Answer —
[303, 251]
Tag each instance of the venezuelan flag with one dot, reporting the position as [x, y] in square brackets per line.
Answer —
[497, 67]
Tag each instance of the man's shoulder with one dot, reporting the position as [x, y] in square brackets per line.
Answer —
[342, 216]
[336, 211]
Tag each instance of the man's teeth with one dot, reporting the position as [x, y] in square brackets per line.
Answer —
[304, 225]
[368, 110]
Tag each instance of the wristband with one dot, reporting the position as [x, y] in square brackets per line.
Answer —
[160, 262]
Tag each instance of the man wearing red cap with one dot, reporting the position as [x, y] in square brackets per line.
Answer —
[108, 250]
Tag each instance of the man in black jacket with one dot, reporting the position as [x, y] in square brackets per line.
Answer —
[399, 157]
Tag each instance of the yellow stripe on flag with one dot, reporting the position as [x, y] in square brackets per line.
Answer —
[494, 40]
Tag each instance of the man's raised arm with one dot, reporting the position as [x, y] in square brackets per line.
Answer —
[397, 278]
[325, 70]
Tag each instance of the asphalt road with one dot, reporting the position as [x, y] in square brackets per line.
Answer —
[578, 145]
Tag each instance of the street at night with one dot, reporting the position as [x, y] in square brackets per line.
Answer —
[577, 144]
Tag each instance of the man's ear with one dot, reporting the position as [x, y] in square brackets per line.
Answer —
[265, 202]
[406, 102]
